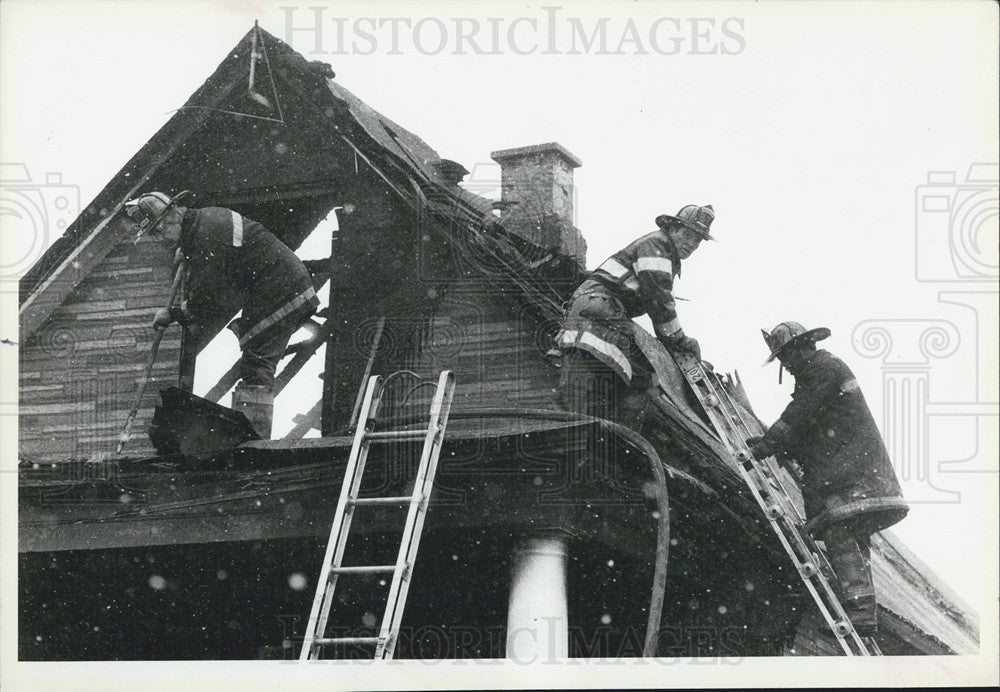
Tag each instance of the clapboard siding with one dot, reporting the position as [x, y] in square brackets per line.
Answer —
[917, 613]
[489, 341]
[80, 371]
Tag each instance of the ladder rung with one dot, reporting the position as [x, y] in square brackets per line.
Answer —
[770, 494]
[363, 569]
[329, 641]
[382, 500]
[432, 436]
[396, 435]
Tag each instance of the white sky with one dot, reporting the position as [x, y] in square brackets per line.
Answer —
[811, 142]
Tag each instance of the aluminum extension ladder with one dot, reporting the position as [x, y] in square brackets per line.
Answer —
[765, 482]
[402, 571]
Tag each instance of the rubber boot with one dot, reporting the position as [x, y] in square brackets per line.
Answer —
[256, 402]
[853, 569]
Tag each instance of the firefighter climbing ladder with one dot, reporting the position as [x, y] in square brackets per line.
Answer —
[766, 485]
[417, 501]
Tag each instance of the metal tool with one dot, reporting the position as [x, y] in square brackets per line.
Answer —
[174, 289]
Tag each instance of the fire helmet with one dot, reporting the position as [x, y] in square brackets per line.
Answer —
[147, 209]
[698, 219]
[790, 333]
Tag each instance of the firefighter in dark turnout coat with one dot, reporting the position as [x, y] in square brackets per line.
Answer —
[848, 483]
[599, 360]
[233, 263]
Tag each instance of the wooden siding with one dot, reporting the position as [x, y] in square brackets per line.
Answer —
[918, 614]
[495, 347]
[81, 369]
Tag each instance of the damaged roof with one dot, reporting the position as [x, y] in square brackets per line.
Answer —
[310, 102]
[404, 161]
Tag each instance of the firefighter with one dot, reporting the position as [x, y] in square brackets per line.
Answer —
[848, 483]
[602, 369]
[233, 263]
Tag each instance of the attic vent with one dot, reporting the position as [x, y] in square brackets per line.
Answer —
[450, 171]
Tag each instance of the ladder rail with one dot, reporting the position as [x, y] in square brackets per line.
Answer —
[769, 463]
[761, 477]
[804, 561]
[326, 583]
[735, 443]
[417, 503]
[799, 565]
[417, 512]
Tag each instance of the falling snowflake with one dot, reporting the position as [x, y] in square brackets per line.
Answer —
[297, 581]
[611, 563]
[605, 619]
[368, 619]
[157, 583]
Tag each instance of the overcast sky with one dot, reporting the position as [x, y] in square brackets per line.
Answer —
[811, 129]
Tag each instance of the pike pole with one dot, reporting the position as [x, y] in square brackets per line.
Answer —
[127, 431]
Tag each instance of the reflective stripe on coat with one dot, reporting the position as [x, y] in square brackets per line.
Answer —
[596, 322]
[237, 263]
[641, 275]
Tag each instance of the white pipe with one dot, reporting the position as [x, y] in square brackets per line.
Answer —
[537, 620]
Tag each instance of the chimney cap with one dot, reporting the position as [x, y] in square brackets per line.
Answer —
[550, 147]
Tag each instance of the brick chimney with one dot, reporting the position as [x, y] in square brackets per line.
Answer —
[537, 197]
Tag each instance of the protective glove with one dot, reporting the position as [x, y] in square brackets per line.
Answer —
[759, 448]
[683, 343]
[162, 319]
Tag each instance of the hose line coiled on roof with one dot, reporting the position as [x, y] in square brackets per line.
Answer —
[662, 500]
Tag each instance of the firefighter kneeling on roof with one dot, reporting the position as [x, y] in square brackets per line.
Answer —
[604, 373]
[233, 263]
[848, 483]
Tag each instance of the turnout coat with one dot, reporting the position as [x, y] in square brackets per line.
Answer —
[634, 281]
[235, 262]
[829, 430]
